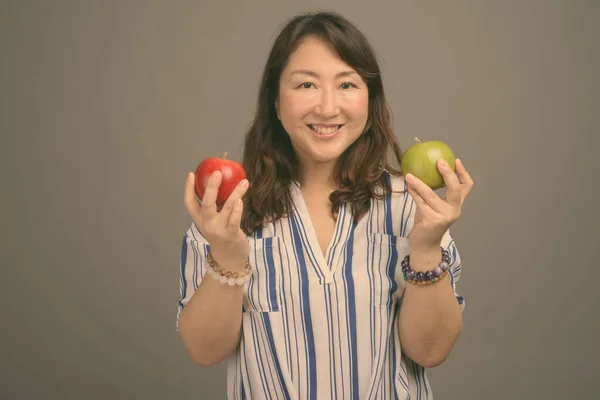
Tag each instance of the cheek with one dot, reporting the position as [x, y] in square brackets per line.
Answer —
[358, 106]
[292, 106]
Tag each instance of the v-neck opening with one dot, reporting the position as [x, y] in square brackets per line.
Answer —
[326, 262]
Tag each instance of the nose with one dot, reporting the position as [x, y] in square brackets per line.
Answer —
[327, 106]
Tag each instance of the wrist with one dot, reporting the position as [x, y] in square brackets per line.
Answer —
[228, 262]
[425, 258]
[228, 276]
[421, 268]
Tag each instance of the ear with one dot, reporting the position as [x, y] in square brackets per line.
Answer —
[277, 108]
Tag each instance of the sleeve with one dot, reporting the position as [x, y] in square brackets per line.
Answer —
[455, 265]
[192, 268]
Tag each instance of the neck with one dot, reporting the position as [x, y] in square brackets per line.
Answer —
[317, 177]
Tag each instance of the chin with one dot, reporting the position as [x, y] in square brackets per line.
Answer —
[321, 151]
[326, 156]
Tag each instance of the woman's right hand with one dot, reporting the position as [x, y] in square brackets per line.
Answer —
[221, 228]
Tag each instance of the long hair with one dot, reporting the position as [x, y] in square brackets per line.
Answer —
[269, 159]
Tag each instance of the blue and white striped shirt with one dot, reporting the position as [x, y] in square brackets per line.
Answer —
[324, 327]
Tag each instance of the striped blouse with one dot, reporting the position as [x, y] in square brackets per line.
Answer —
[323, 326]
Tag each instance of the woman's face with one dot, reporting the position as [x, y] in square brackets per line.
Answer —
[323, 103]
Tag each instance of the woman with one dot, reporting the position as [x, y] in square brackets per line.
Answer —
[299, 279]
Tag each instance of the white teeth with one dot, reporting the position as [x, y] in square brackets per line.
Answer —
[324, 130]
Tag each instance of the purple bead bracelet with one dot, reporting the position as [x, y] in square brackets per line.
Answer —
[427, 277]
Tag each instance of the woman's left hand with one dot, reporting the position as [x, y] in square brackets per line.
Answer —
[435, 215]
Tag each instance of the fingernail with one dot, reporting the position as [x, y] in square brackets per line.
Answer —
[244, 183]
[442, 163]
[410, 177]
[215, 175]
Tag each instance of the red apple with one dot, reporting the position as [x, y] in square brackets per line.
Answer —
[231, 171]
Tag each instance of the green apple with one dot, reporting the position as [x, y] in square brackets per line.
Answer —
[421, 159]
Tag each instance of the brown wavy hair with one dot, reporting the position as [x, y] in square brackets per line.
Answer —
[269, 159]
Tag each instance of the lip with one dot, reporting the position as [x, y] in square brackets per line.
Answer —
[328, 135]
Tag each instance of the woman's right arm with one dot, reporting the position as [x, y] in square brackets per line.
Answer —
[210, 324]
[210, 321]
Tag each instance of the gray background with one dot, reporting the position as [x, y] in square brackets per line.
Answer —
[106, 105]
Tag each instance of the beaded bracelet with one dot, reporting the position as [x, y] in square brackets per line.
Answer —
[428, 277]
[227, 277]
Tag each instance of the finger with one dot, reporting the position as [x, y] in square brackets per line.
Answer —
[463, 176]
[209, 200]
[237, 194]
[235, 218]
[417, 198]
[427, 194]
[189, 197]
[453, 194]
[449, 176]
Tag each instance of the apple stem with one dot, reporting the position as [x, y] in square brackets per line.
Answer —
[225, 156]
[417, 139]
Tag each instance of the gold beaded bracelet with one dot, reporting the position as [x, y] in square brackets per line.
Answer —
[227, 277]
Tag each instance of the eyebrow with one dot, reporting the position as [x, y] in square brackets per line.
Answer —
[314, 74]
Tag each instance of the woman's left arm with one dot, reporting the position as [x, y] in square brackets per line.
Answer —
[430, 319]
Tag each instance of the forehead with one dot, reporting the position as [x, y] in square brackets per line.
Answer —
[315, 54]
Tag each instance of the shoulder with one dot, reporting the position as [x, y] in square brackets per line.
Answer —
[397, 208]
[399, 188]
[397, 182]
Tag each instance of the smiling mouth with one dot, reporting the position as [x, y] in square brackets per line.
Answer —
[325, 130]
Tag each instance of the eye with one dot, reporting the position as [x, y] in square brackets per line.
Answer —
[306, 85]
[347, 85]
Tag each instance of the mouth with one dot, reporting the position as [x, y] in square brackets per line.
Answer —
[325, 130]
